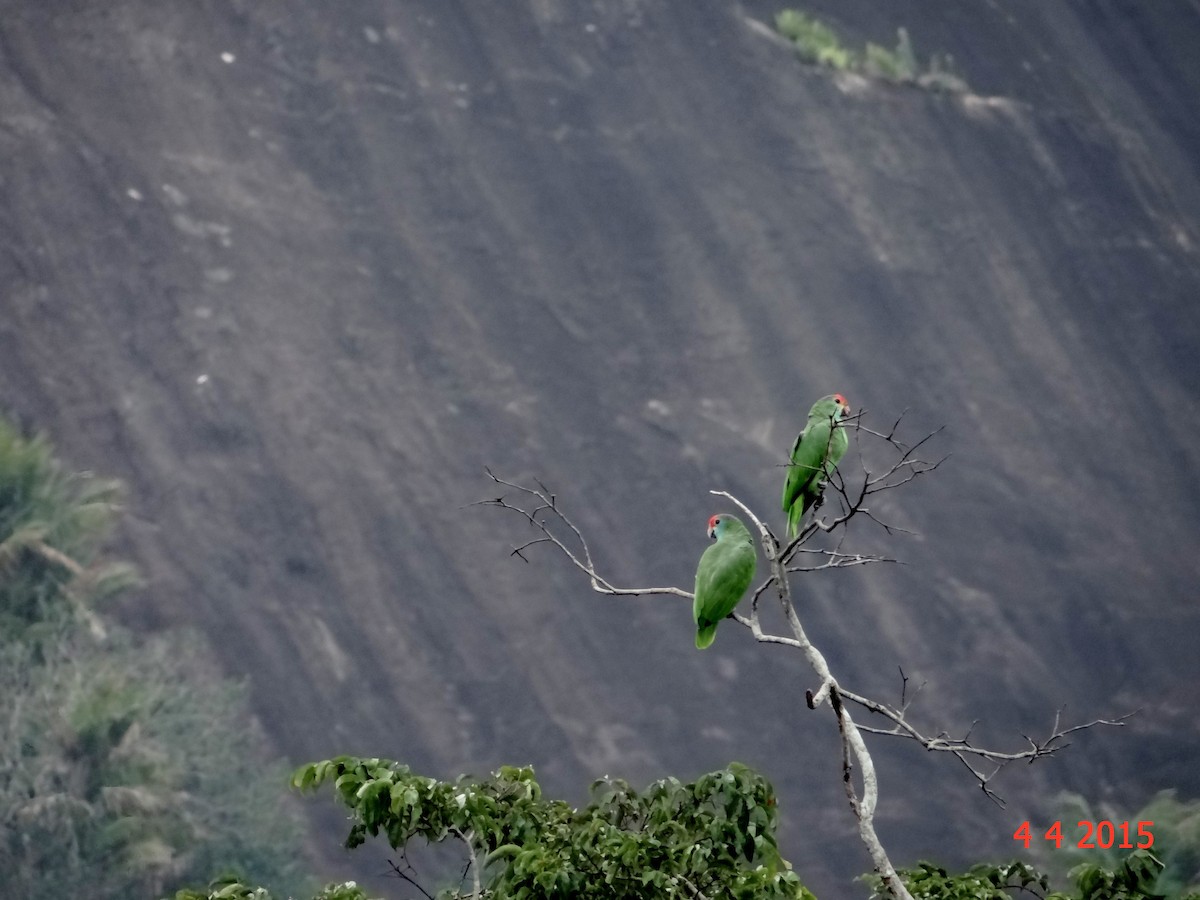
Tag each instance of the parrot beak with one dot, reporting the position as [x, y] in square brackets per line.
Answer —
[712, 534]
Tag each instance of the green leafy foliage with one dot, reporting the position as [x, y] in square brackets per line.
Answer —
[1133, 877]
[715, 836]
[925, 881]
[818, 44]
[894, 65]
[1175, 829]
[122, 773]
[232, 889]
[51, 524]
[125, 769]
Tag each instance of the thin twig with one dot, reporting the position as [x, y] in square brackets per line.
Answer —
[472, 862]
[581, 559]
[559, 531]
[400, 873]
[962, 748]
[852, 741]
[696, 892]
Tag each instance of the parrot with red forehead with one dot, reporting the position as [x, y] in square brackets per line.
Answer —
[725, 571]
[818, 449]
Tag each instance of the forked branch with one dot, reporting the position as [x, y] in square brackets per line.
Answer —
[973, 757]
[900, 464]
[538, 506]
[541, 510]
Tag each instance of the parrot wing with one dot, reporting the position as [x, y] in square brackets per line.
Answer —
[725, 572]
[806, 470]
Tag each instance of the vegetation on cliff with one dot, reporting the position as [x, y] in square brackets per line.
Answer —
[125, 768]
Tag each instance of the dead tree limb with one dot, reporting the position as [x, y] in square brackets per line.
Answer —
[854, 748]
[962, 748]
[539, 506]
[544, 515]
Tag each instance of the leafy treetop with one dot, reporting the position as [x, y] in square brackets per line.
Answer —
[709, 838]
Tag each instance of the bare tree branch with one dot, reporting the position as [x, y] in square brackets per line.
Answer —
[962, 748]
[402, 874]
[696, 892]
[852, 741]
[904, 466]
[547, 508]
[836, 559]
[472, 862]
[539, 507]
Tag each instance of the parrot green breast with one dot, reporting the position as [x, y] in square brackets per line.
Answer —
[725, 572]
[818, 449]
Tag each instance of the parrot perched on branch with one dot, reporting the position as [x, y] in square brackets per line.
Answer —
[725, 571]
[818, 449]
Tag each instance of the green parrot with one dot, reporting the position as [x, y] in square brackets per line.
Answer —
[818, 449]
[725, 571]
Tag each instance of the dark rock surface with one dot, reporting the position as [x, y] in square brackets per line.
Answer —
[298, 272]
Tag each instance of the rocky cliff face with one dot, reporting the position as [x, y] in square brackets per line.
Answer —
[298, 272]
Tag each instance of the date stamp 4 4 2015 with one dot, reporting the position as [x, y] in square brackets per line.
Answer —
[1096, 835]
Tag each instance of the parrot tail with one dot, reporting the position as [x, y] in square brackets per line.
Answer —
[705, 635]
[795, 514]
